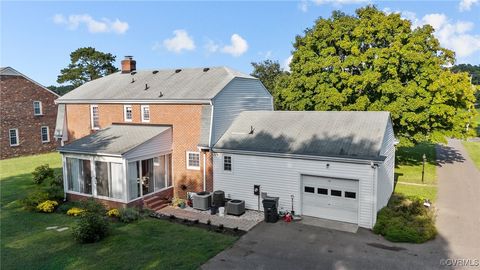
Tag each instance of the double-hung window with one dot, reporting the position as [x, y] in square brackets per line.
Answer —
[37, 108]
[44, 133]
[13, 134]
[127, 113]
[94, 117]
[193, 160]
[227, 163]
[145, 113]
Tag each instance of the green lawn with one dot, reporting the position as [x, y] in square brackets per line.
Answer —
[473, 149]
[147, 244]
[409, 170]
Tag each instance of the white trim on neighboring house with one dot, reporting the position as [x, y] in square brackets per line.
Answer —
[133, 101]
[92, 121]
[39, 108]
[17, 138]
[125, 107]
[48, 134]
[190, 167]
[142, 113]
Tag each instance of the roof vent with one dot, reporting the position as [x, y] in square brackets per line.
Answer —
[251, 130]
[133, 73]
[177, 70]
[146, 87]
[155, 71]
[133, 80]
[206, 69]
[160, 95]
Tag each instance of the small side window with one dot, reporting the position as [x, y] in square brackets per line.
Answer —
[227, 163]
[37, 108]
[351, 195]
[336, 193]
[322, 191]
[309, 189]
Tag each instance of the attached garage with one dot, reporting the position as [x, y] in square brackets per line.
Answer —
[331, 165]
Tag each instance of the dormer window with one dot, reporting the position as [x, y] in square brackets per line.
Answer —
[37, 108]
[127, 112]
[145, 113]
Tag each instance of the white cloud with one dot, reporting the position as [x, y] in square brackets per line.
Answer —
[238, 47]
[211, 47]
[466, 5]
[303, 5]
[181, 41]
[286, 63]
[339, 2]
[454, 35]
[103, 25]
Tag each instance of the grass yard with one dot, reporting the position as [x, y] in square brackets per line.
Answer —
[473, 149]
[146, 244]
[408, 171]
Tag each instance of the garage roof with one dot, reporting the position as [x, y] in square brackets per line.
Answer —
[116, 139]
[351, 134]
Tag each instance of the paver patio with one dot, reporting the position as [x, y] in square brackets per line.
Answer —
[244, 222]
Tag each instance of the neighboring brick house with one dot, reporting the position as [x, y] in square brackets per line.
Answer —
[185, 112]
[28, 114]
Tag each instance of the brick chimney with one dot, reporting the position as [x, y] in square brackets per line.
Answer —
[128, 64]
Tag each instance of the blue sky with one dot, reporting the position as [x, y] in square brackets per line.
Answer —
[37, 37]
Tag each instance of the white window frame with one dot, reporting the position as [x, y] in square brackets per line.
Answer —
[39, 106]
[48, 134]
[92, 122]
[231, 163]
[143, 115]
[16, 136]
[190, 167]
[125, 107]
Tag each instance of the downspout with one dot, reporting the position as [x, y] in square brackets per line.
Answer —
[374, 204]
[204, 173]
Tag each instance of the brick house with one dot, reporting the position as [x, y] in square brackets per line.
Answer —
[137, 133]
[28, 115]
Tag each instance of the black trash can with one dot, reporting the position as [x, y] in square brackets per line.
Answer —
[270, 210]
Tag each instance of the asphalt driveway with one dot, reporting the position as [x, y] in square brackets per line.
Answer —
[298, 246]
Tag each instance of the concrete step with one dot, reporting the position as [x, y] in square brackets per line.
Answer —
[154, 204]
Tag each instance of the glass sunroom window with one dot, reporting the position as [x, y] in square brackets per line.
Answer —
[79, 175]
[109, 179]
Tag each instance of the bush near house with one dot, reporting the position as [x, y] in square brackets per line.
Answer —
[47, 206]
[42, 173]
[128, 215]
[90, 228]
[406, 219]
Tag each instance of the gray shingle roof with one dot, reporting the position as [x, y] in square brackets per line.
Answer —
[116, 139]
[188, 84]
[335, 134]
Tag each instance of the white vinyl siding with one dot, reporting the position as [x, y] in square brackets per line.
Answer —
[37, 108]
[281, 177]
[386, 175]
[95, 117]
[145, 111]
[127, 113]
[239, 95]
[13, 137]
[193, 160]
[45, 134]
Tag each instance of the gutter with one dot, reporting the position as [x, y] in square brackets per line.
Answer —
[359, 160]
[133, 101]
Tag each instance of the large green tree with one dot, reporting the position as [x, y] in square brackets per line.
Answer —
[62, 89]
[472, 70]
[376, 62]
[87, 64]
[270, 73]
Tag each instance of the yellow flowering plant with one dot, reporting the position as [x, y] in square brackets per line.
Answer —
[113, 212]
[47, 206]
[75, 211]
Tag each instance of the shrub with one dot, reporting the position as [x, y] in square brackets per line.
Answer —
[55, 187]
[75, 211]
[47, 206]
[42, 173]
[113, 212]
[178, 201]
[405, 219]
[33, 199]
[92, 206]
[128, 215]
[64, 207]
[90, 228]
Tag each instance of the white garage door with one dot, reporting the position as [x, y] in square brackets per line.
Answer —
[330, 198]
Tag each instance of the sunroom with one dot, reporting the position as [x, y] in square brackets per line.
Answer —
[122, 163]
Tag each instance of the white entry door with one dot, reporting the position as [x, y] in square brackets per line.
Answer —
[330, 198]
